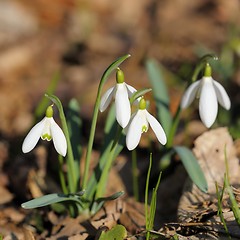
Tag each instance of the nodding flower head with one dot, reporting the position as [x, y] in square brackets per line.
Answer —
[210, 93]
[121, 92]
[139, 124]
[47, 129]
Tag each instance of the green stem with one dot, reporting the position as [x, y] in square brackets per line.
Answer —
[104, 78]
[147, 217]
[61, 175]
[91, 137]
[135, 175]
[103, 179]
[173, 128]
[71, 173]
[201, 65]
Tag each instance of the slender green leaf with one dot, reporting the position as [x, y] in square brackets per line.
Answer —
[235, 207]
[50, 199]
[74, 123]
[111, 118]
[192, 167]
[98, 203]
[147, 214]
[153, 203]
[41, 108]
[139, 93]
[110, 198]
[160, 93]
[220, 208]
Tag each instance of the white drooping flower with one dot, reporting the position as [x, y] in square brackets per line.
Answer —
[121, 92]
[47, 129]
[210, 93]
[139, 124]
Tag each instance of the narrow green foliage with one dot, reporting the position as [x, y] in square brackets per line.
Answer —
[139, 94]
[101, 185]
[135, 175]
[74, 123]
[235, 208]
[41, 108]
[98, 203]
[153, 204]
[220, 212]
[61, 174]
[192, 167]
[160, 93]
[234, 203]
[173, 128]
[51, 199]
[150, 214]
[110, 130]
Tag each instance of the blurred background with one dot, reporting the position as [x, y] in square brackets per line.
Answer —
[79, 39]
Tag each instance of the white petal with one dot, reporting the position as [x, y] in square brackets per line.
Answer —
[134, 131]
[131, 90]
[208, 106]
[123, 108]
[125, 130]
[59, 139]
[106, 99]
[222, 95]
[190, 94]
[157, 128]
[33, 136]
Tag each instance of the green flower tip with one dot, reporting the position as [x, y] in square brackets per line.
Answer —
[119, 76]
[142, 104]
[49, 111]
[207, 70]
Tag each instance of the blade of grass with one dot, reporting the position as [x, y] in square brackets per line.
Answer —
[147, 217]
[220, 212]
[232, 198]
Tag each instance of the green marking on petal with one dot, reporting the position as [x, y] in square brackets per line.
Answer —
[144, 128]
[46, 136]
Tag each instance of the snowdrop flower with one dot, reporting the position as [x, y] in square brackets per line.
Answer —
[121, 92]
[210, 92]
[139, 123]
[47, 129]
